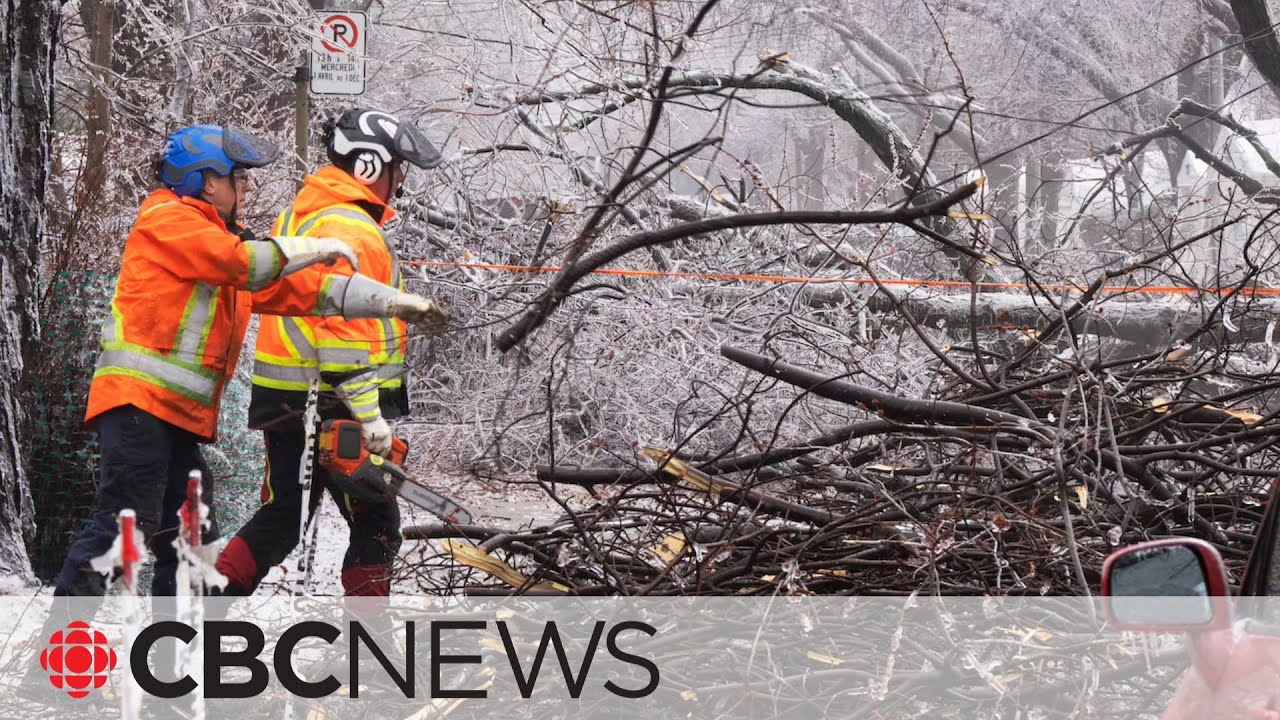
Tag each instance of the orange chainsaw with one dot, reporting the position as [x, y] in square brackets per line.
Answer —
[364, 475]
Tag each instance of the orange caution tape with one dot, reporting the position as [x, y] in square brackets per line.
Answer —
[1147, 289]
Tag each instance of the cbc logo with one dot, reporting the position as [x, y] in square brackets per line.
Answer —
[78, 659]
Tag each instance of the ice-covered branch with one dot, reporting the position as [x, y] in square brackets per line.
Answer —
[889, 143]
[1171, 128]
[563, 283]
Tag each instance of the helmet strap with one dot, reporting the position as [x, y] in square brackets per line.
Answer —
[235, 202]
[392, 170]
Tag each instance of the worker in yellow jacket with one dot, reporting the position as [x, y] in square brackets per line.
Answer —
[359, 363]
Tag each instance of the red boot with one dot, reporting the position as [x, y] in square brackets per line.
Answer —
[237, 564]
[365, 580]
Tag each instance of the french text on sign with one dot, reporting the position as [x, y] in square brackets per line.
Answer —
[338, 54]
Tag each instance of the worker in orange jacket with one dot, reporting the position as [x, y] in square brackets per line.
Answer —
[359, 363]
[190, 277]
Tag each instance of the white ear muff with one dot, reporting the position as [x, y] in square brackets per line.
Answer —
[367, 167]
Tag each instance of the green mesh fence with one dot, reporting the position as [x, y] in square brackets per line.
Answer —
[63, 455]
[238, 459]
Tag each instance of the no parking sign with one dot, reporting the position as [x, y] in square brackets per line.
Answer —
[337, 54]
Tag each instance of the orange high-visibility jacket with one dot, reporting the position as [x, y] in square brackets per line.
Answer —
[180, 311]
[366, 356]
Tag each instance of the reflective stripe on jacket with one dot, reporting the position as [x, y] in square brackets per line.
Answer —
[180, 311]
[365, 356]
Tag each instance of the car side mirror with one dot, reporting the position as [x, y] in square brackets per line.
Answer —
[1175, 585]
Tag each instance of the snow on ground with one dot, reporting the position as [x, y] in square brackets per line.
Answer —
[505, 505]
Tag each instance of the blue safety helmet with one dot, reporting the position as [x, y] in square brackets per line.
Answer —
[192, 150]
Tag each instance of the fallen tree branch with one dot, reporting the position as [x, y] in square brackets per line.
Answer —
[1146, 324]
[722, 488]
[563, 282]
[890, 406]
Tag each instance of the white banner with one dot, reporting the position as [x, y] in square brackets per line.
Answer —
[792, 657]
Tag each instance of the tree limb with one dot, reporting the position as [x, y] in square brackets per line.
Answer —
[1148, 325]
[1260, 39]
[849, 103]
[563, 282]
[1172, 129]
[890, 406]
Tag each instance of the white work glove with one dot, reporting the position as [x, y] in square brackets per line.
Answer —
[376, 434]
[429, 317]
[300, 252]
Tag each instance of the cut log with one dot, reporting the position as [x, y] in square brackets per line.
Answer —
[1146, 324]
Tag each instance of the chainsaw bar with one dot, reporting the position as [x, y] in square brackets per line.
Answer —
[429, 500]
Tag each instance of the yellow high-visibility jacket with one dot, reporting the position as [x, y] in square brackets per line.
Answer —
[363, 359]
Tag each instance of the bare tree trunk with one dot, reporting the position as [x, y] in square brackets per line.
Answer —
[1043, 189]
[1261, 42]
[100, 16]
[183, 66]
[1174, 153]
[1217, 75]
[89, 191]
[811, 157]
[1197, 82]
[1002, 199]
[28, 30]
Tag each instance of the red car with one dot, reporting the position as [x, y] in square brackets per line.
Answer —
[1180, 585]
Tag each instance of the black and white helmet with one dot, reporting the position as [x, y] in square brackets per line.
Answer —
[372, 140]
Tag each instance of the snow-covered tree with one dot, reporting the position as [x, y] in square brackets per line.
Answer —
[28, 32]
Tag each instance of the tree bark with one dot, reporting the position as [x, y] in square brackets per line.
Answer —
[1256, 26]
[1147, 325]
[28, 31]
[100, 16]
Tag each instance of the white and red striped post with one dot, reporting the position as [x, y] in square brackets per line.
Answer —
[131, 558]
[191, 579]
[130, 553]
[190, 515]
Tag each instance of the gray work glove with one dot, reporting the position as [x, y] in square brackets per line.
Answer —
[364, 297]
[376, 434]
[416, 310]
[300, 252]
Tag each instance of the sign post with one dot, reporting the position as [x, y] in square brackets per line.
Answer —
[301, 117]
[336, 67]
[337, 54]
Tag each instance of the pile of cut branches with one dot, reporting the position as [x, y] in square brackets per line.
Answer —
[1015, 479]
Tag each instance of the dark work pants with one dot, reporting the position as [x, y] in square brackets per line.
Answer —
[274, 530]
[144, 467]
